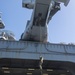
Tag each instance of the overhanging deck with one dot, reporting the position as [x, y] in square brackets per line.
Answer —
[24, 55]
[33, 50]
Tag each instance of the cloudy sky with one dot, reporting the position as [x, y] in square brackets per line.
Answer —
[60, 29]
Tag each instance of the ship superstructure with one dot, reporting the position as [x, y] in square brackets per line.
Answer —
[32, 54]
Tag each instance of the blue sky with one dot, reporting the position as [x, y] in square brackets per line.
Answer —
[60, 29]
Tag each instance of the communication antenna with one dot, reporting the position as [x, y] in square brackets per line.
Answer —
[2, 26]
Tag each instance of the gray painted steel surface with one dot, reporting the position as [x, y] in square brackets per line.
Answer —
[33, 50]
[20, 54]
